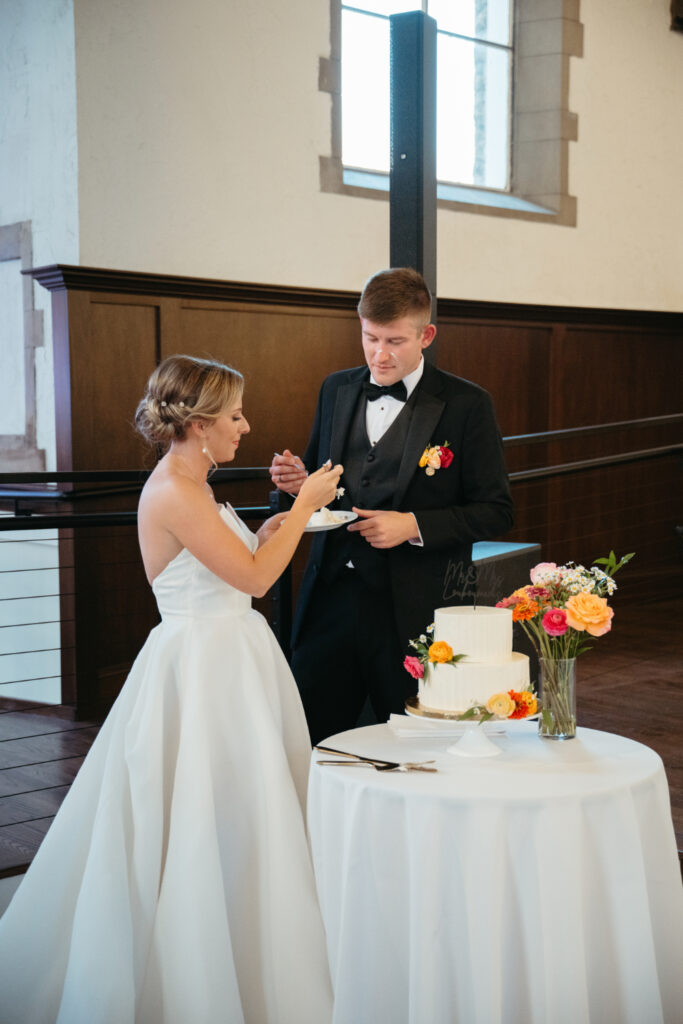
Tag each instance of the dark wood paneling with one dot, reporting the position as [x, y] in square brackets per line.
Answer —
[283, 354]
[117, 350]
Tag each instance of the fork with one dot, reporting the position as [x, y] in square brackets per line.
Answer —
[403, 766]
[380, 766]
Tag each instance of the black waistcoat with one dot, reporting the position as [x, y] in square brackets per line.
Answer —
[369, 479]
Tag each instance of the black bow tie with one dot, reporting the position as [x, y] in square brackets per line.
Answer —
[374, 391]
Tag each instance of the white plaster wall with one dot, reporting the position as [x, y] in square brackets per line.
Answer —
[200, 127]
[38, 172]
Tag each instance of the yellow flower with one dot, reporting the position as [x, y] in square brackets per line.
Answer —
[423, 458]
[440, 652]
[501, 705]
[589, 612]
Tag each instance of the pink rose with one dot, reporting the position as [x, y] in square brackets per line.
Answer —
[446, 457]
[414, 666]
[539, 571]
[554, 622]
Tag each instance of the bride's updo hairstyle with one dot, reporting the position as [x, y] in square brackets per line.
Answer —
[183, 390]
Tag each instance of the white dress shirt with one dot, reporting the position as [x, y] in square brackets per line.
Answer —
[380, 414]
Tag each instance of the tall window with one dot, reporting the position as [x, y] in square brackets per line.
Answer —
[474, 76]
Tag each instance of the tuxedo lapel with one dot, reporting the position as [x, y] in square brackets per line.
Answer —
[345, 403]
[426, 415]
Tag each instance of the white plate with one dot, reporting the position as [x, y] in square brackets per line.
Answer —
[348, 517]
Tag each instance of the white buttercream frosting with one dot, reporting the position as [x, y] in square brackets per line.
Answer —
[484, 636]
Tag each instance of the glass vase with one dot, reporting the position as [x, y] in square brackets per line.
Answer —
[557, 720]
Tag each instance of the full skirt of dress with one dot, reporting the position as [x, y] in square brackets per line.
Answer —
[175, 883]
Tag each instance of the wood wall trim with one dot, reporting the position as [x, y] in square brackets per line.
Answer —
[61, 276]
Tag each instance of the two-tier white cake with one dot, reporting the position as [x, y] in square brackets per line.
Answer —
[484, 636]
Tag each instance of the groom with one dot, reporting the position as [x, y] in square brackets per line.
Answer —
[424, 470]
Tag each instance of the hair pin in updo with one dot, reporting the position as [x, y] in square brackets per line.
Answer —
[163, 405]
[181, 405]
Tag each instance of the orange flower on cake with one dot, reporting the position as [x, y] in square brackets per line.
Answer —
[524, 703]
[590, 613]
[440, 652]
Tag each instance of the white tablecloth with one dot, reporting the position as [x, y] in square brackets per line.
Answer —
[541, 886]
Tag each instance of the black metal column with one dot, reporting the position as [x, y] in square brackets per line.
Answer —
[413, 145]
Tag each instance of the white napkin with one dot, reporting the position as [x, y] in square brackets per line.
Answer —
[410, 725]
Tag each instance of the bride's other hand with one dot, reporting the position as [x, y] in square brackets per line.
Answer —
[270, 526]
[320, 487]
[287, 472]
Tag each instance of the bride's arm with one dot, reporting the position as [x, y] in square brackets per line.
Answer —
[269, 526]
[189, 513]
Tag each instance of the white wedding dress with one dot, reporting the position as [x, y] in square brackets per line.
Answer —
[175, 884]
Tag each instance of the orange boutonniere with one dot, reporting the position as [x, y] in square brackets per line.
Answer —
[437, 456]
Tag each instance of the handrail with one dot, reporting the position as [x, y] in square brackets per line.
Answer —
[135, 479]
[67, 520]
[602, 460]
[261, 473]
[544, 436]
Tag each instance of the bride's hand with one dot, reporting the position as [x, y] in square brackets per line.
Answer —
[270, 526]
[319, 488]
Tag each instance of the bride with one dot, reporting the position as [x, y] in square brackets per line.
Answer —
[175, 883]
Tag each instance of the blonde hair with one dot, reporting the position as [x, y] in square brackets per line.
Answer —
[184, 390]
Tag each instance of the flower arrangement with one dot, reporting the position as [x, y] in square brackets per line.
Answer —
[565, 604]
[560, 610]
[436, 456]
[513, 704]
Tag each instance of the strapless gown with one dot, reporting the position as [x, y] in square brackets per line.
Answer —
[175, 884]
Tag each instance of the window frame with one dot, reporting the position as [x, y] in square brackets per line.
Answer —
[546, 34]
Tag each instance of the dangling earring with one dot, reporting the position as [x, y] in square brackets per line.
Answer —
[214, 464]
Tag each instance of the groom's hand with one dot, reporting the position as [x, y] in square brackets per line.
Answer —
[384, 529]
[287, 472]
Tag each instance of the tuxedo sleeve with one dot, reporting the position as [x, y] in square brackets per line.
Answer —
[481, 507]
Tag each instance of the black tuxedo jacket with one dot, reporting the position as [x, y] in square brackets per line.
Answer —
[468, 501]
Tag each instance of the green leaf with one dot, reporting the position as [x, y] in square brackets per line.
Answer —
[470, 713]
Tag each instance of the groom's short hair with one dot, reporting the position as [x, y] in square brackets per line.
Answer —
[392, 294]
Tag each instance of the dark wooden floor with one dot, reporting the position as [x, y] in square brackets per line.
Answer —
[630, 683]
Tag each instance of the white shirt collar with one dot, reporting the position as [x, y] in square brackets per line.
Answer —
[412, 379]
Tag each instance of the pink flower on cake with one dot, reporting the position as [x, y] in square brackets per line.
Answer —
[589, 612]
[414, 666]
[554, 622]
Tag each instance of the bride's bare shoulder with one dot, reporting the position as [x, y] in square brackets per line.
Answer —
[168, 492]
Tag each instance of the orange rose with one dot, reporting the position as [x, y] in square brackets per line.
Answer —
[589, 612]
[440, 652]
